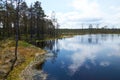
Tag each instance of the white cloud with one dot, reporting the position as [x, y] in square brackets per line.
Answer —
[88, 12]
[83, 12]
[87, 8]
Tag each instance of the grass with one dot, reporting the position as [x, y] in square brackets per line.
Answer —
[15, 74]
[24, 44]
[26, 50]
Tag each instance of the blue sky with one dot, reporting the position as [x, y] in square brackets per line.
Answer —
[73, 13]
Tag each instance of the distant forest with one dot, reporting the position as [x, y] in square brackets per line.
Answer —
[31, 21]
[88, 31]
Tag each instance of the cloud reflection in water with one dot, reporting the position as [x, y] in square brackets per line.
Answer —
[84, 52]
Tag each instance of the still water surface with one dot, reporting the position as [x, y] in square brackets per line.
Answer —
[85, 57]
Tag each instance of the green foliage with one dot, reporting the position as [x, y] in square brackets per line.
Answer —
[24, 44]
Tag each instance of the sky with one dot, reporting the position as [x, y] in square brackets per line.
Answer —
[75, 13]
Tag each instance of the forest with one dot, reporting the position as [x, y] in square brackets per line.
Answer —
[31, 21]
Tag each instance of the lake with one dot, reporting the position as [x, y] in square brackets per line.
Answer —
[83, 57]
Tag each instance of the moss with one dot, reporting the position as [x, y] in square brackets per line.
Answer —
[29, 54]
[26, 50]
[24, 44]
[15, 74]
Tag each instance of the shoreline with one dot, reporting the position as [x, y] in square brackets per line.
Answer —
[26, 54]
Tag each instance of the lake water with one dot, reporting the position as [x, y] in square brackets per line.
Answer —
[84, 57]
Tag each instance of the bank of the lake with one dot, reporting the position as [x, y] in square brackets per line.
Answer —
[26, 53]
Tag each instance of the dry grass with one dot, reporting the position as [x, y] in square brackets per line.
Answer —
[26, 52]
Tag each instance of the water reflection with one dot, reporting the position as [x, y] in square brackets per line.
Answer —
[87, 52]
[52, 47]
[94, 56]
[104, 63]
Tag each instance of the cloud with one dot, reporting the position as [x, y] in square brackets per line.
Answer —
[89, 11]
[75, 19]
[86, 7]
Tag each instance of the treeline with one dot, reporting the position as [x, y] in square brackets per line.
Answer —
[31, 21]
[88, 31]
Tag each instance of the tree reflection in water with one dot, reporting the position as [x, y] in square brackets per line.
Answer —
[34, 70]
[51, 46]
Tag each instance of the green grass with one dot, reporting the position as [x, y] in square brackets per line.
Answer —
[15, 74]
[24, 44]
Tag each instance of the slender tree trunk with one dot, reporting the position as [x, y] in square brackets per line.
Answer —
[31, 29]
[38, 34]
[16, 46]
